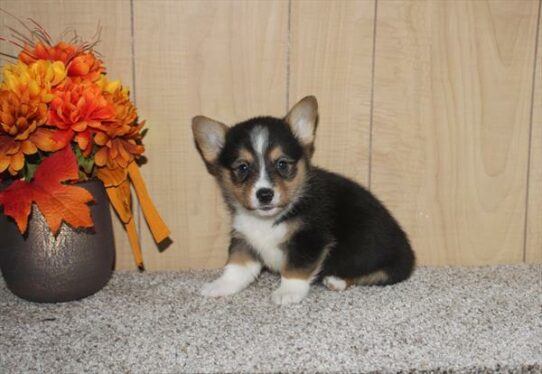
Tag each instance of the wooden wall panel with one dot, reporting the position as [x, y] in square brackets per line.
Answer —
[115, 46]
[452, 105]
[534, 218]
[331, 58]
[447, 147]
[223, 59]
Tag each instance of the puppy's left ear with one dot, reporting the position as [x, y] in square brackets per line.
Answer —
[302, 119]
[210, 136]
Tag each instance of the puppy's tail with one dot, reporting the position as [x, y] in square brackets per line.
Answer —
[377, 278]
[400, 270]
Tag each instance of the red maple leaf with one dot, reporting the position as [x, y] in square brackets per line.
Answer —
[57, 202]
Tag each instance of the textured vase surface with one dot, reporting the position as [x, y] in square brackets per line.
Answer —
[76, 263]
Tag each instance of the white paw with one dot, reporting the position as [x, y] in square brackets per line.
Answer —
[290, 291]
[219, 288]
[234, 279]
[282, 297]
[334, 283]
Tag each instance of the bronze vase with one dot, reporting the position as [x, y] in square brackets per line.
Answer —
[75, 264]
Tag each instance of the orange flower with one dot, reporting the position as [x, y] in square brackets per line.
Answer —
[125, 111]
[80, 107]
[62, 52]
[121, 140]
[20, 131]
[119, 152]
[11, 155]
[86, 66]
[20, 115]
[79, 63]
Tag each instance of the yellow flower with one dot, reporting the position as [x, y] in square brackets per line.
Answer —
[112, 86]
[35, 79]
[24, 95]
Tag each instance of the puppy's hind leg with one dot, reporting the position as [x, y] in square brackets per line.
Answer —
[396, 272]
[334, 283]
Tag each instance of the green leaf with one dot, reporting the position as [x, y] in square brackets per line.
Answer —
[86, 163]
[30, 170]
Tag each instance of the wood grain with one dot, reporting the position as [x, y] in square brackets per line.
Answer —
[533, 246]
[451, 120]
[331, 58]
[223, 59]
[115, 47]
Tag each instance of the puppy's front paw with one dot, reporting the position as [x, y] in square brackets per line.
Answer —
[283, 297]
[233, 279]
[219, 288]
[290, 291]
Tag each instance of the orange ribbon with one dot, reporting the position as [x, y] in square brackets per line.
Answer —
[156, 224]
[118, 189]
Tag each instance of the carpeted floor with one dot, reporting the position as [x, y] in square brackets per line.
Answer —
[485, 319]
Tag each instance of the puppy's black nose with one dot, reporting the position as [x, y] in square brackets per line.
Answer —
[265, 195]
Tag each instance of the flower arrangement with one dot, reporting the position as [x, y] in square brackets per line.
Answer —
[63, 120]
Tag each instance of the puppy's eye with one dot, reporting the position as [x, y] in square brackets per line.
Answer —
[243, 167]
[241, 170]
[282, 165]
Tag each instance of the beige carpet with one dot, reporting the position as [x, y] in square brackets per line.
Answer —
[442, 320]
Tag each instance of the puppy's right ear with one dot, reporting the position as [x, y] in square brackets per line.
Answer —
[210, 136]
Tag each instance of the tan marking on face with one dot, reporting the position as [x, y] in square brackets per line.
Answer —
[242, 192]
[238, 192]
[275, 154]
[246, 155]
[290, 188]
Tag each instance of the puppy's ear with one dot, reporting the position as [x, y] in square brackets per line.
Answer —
[302, 119]
[210, 136]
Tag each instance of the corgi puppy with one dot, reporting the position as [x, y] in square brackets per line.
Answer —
[306, 223]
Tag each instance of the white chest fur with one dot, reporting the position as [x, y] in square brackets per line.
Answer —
[263, 237]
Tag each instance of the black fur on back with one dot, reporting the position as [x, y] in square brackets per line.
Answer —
[366, 237]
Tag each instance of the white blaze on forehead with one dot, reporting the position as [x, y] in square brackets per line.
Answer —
[260, 139]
